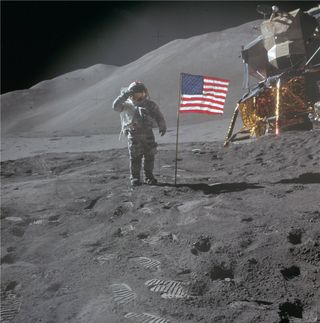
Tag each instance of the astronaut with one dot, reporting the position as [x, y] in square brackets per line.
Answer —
[138, 115]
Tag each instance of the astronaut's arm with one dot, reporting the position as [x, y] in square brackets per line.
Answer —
[160, 121]
[118, 103]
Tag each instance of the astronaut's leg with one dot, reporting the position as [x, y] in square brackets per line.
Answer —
[150, 149]
[148, 167]
[135, 153]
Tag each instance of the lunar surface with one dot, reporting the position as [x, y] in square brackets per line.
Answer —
[236, 240]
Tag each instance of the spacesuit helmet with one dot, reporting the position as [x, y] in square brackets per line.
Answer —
[137, 87]
[138, 91]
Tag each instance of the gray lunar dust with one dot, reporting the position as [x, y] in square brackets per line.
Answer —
[237, 240]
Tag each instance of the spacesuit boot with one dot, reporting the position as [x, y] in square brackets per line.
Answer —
[135, 167]
[148, 169]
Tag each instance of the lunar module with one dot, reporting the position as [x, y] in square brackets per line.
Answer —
[284, 61]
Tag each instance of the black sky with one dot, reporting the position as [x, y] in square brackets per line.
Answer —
[40, 40]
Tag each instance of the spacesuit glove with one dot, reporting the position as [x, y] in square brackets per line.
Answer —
[126, 93]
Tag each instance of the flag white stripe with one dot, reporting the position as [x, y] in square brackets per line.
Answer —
[201, 109]
[214, 93]
[213, 87]
[215, 82]
[199, 99]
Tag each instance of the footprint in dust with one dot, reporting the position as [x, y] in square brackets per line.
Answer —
[10, 305]
[168, 288]
[106, 257]
[122, 293]
[145, 318]
[153, 240]
[147, 263]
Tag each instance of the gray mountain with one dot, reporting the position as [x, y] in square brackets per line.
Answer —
[80, 102]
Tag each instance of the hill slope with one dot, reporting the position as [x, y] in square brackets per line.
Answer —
[80, 102]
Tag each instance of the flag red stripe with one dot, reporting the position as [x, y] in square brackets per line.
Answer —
[201, 106]
[204, 99]
[200, 111]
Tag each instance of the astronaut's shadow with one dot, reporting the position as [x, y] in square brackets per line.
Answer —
[216, 188]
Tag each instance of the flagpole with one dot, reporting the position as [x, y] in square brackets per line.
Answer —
[177, 134]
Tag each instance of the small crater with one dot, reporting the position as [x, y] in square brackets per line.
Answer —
[198, 288]
[295, 236]
[247, 219]
[143, 235]
[11, 286]
[7, 259]
[54, 287]
[221, 272]
[288, 309]
[252, 261]
[170, 205]
[55, 138]
[291, 272]
[93, 203]
[18, 232]
[202, 244]
[194, 251]
[118, 211]
[11, 249]
[184, 272]
[64, 234]
[246, 243]
[92, 244]
[117, 233]
[53, 218]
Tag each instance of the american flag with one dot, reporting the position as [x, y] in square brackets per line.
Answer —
[202, 94]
